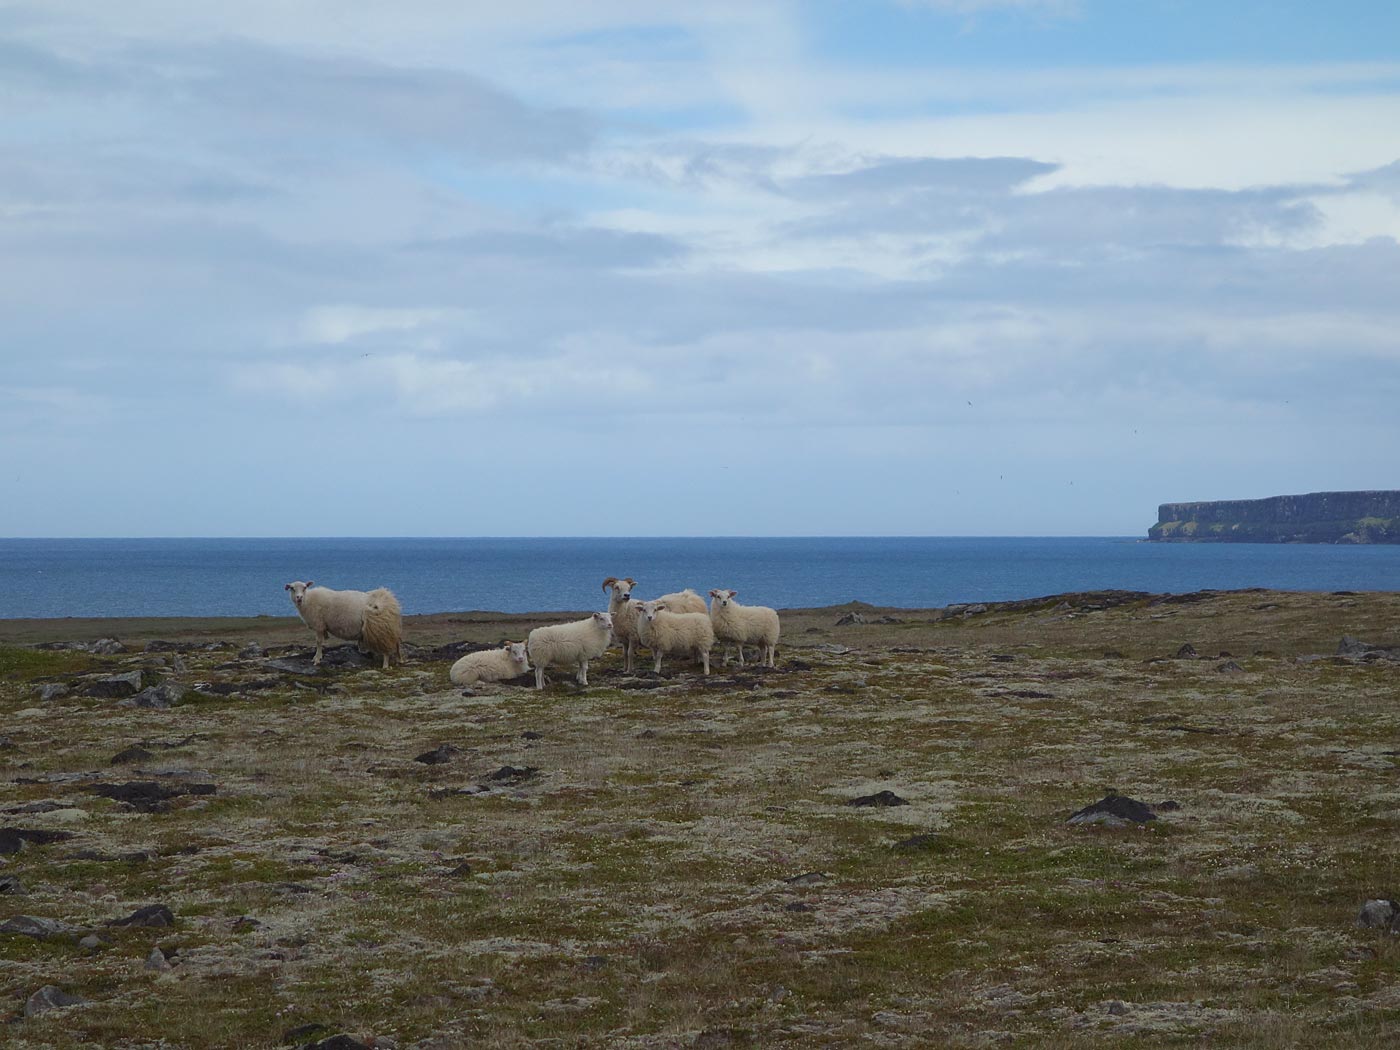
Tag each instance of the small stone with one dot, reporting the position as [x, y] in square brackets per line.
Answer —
[915, 842]
[52, 691]
[461, 870]
[1186, 652]
[303, 1032]
[880, 798]
[1229, 667]
[1380, 913]
[245, 922]
[851, 619]
[530, 734]
[157, 961]
[1113, 811]
[1117, 1009]
[114, 687]
[11, 885]
[338, 1042]
[40, 929]
[514, 774]
[151, 915]
[810, 878]
[253, 651]
[798, 906]
[50, 997]
[439, 755]
[92, 942]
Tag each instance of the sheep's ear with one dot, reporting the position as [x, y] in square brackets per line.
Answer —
[714, 592]
[310, 584]
[286, 586]
[733, 594]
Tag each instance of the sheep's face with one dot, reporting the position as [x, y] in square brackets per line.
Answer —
[297, 590]
[648, 610]
[517, 655]
[622, 589]
[722, 599]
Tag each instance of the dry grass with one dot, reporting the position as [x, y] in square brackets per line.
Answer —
[632, 892]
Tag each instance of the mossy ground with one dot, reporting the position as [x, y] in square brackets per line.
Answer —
[634, 891]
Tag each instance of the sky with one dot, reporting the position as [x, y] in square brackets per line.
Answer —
[746, 267]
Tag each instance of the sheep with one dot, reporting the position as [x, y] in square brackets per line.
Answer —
[373, 619]
[624, 612]
[663, 631]
[491, 665]
[745, 625]
[624, 616]
[565, 644]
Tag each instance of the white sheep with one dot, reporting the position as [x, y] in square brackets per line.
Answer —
[569, 645]
[491, 665]
[745, 625]
[624, 612]
[373, 619]
[663, 631]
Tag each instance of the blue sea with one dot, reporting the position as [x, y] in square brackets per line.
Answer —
[244, 577]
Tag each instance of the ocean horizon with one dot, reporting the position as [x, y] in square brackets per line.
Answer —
[53, 578]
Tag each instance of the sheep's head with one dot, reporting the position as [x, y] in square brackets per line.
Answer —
[517, 655]
[622, 589]
[297, 589]
[648, 610]
[722, 598]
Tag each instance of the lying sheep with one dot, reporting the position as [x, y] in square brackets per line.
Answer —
[569, 644]
[491, 665]
[373, 619]
[624, 612]
[745, 625]
[663, 631]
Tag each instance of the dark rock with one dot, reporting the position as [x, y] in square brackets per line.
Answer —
[1112, 654]
[595, 963]
[1230, 667]
[293, 665]
[1114, 811]
[148, 796]
[243, 923]
[1186, 652]
[798, 906]
[50, 997]
[461, 870]
[39, 928]
[530, 734]
[880, 798]
[439, 755]
[917, 842]
[851, 619]
[106, 647]
[337, 1042]
[157, 961]
[302, 1032]
[810, 878]
[1167, 806]
[52, 691]
[1002, 658]
[253, 651]
[1381, 914]
[12, 840]
[114, 687]
[11, 885]
[974, 610]
[1117, 1008]
[160, 645]
[513, 774]
[131, 756]
[150, 915]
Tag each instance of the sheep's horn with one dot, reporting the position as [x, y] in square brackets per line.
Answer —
[632, 581]
[609, 582]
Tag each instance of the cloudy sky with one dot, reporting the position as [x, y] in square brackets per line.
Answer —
[912, 267]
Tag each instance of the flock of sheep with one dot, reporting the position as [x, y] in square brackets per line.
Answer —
[675, 624]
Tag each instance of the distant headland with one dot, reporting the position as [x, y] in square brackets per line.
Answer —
[1318, 517]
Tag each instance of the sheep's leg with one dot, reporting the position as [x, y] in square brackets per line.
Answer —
[705, 659]
[583, 673]
[657, 668]
[386, 662]
[740, 647]
[320, 641]
[539, 676]
[628, 648]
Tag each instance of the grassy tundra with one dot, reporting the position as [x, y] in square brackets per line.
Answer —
[673, 861]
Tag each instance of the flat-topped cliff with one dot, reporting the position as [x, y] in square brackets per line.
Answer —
[1318, 517]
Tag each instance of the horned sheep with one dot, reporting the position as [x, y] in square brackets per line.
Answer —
[624, 612]
[745, 625]
[663, 631]
[491, 665]
[569, 645]
[372, 618]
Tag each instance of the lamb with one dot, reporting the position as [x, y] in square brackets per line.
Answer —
[373, 619]
[624, 612]
[569, 644]
[663, 631]
[745, 625]
[491, 665]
